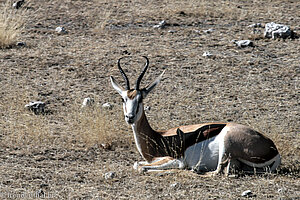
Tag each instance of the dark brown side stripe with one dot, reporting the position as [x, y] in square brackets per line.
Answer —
[177, 144]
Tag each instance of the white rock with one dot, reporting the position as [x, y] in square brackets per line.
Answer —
[247, 193]
[37, 107]
[207, 54]
[109, 175]
[61, 30]
[273, 30]
[107, 105]
[21, 44]
[161, 24]
[18, 4]
[209, 30]
[243, 43]
[147, 108]
[256, 25]
[172, 31]
[87, 102]
[175, 185]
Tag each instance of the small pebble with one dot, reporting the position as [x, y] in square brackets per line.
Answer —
[109, 175]
[87, 102]
[243, 43]
[161, 24]
[18, 4]
[171, 31]
[37, 107]
[247, 193]
[175, 185]
[147, 108]
[107, 105]
[207, 54]
[21, 44]
[209, 31]
[61, 30]
[256, 25]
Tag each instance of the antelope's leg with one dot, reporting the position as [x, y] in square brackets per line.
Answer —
[223, 160]
[161, 163]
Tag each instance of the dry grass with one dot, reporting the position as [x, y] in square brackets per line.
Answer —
[61, 152]
[12, 22]
[19, 126]
[90, 126]
[93, 126]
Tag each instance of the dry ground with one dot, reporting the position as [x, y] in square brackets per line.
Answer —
[60, 154]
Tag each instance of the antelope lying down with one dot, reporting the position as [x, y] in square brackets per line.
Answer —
[210, 147]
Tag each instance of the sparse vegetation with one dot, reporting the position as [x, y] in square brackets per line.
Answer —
[61, 153]
[93, 126]
[12, 22]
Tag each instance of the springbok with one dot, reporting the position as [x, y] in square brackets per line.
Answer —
[209, 147]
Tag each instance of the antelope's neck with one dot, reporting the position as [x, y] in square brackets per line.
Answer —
[148, 141]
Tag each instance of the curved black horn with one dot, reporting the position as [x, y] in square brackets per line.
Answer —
[123, 74]
[142, 74]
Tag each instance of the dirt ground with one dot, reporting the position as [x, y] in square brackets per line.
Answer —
[66, 152]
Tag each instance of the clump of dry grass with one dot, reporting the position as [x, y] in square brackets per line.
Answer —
[91, 126]
[21, 127]
[86, 127]
[12, 22]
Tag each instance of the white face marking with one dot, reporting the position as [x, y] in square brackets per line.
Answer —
[132, 107]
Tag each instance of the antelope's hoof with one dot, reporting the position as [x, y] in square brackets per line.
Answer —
[139, 168]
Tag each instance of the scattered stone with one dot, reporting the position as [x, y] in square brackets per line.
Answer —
[107, 105]
[256, 25]
[207, 54]
[38, 107]
[161, 24]
[233, 176]
[61, 30]
[106, 146]
[273, 30]
[18, 4]
[147, 108]
[109, 175]
[87, 102]
[21, 44]
[209, 31]
[247, 193]
[243, 43]
[175, 185]
[172, 31]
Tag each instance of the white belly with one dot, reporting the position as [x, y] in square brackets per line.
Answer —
[204, 156]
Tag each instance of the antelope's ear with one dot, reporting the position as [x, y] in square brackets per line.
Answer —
[152, 85]
[116, 85]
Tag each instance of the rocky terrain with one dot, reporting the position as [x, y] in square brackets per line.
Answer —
[70, 152]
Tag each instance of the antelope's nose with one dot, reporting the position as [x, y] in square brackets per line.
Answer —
[130, 118]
